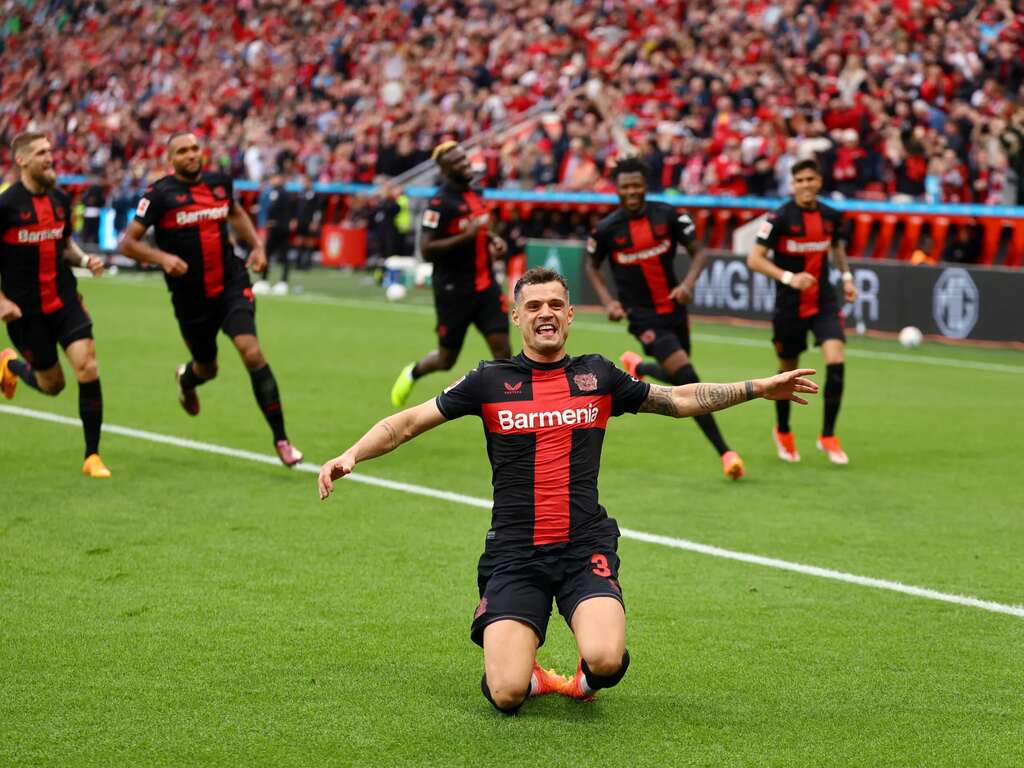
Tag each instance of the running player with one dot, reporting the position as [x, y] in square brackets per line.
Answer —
[456, 237]
[544, 415]
[189, 211]
[39, 299]
[640, 240]
[802, 233]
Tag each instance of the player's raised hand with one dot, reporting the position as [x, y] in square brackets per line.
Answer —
[615, 311]
[785, 386]
[174, 266]
[257, 260]
[334, 469]
[95, 266]
[802, 281]
[9, 311]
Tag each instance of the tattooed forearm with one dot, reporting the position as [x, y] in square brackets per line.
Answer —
[713, 397]
[392, 441]
[659, 400]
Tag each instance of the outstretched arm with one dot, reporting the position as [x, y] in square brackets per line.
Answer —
[383, 437]
[698, 399]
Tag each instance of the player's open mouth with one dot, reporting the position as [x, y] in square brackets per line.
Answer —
[546, 330]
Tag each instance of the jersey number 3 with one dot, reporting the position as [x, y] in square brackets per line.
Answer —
[600, 563]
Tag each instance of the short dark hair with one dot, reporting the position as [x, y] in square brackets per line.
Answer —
[632, 164]
[22, 140]
[808, 164]
[175, 135]
[538, 276]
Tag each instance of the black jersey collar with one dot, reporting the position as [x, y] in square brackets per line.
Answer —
[523, 359]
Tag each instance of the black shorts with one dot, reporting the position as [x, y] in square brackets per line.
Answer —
[487, 310]
[661, 335]
[522, 585]
[278, 241]
[36, 336]
[233, 311]
[790, 333]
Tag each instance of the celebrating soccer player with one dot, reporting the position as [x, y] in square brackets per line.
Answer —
[39, 300]
[802, 234]
[640, 240]
[544, 415]
[210, 290]
[457, 238]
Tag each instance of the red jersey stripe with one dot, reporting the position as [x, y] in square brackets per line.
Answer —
[654, 273]
[49, 300]
[210, 243]
[482, 278]
[552, 462]
[813, 230]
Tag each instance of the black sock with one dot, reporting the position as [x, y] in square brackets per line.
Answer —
[687, 375]
[597, 682]
[24, 372]
[190, 379]
[264, 386]
[833, 396]
[487, 695]
[782, 414]
[653, 369]
[90, 410]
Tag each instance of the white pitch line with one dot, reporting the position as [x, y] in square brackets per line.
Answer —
[472, 501]
[736, 341]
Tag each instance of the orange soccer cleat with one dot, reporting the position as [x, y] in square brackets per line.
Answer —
[786, 445]
[95, 468]
[629, 362]
[830, 445]
[732, 465]
[576, 688]
[545, 681]
[8, 379]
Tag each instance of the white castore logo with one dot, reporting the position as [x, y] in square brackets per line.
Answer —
[955, 303]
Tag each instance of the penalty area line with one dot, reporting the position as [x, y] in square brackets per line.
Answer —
[472, 501]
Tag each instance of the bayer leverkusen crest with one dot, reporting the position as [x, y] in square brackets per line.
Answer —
[585, 382]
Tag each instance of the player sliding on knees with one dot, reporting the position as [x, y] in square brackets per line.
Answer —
[39, 300]
[190, 211]
[544, 415]
[802, 234]
[640, 240]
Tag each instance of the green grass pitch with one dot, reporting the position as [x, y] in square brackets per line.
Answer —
[208, 610]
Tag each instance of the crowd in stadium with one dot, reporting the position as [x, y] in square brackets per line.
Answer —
[905, 99]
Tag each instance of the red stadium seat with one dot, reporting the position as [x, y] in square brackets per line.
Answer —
[883, 244]
[862, 224]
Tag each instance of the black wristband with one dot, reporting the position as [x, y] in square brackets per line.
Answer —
[749, 385]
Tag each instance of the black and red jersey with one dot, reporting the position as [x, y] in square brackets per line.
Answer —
[466, 269]
[801, 239]
[544, 425]
[191, 221]
[33, 231]
[642, 253]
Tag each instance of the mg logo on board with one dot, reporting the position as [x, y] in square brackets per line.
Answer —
[955, 303]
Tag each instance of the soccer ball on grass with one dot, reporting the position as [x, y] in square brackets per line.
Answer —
[911, 337]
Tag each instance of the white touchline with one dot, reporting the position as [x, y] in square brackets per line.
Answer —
[472, 501]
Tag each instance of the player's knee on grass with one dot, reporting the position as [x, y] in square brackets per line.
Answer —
[505, 692]
[604, 671]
